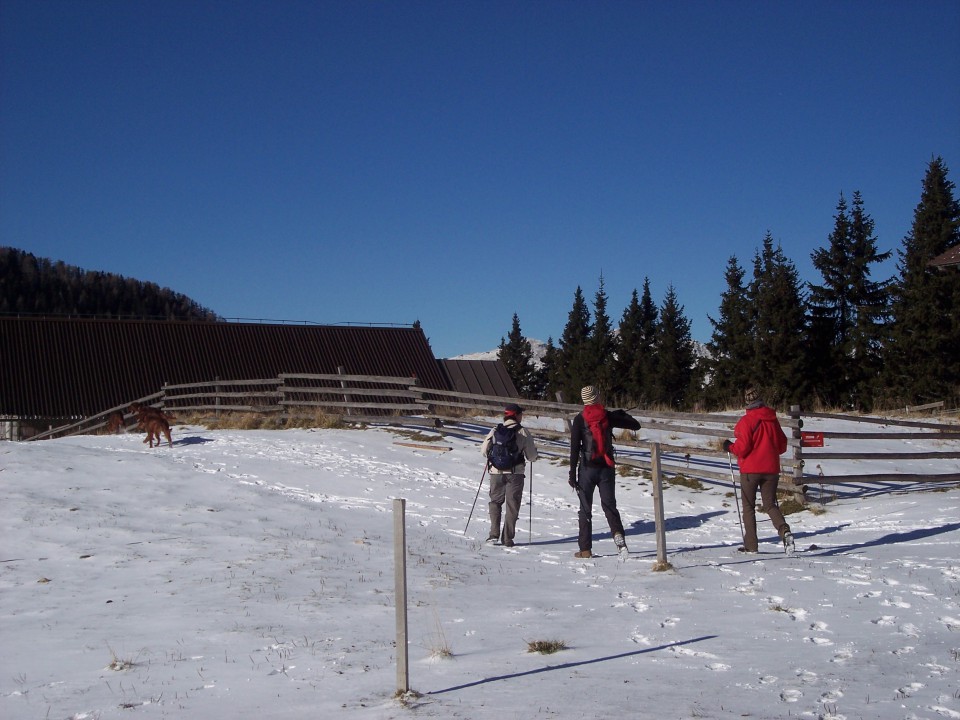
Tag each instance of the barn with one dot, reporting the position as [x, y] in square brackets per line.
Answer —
[58, 369]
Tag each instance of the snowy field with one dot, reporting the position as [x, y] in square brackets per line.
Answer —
[250, 574]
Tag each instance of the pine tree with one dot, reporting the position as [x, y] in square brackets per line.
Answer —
[924, 351]
[731, 344]
[847, 311]
[675, 358]
[550, 378]
[575, 366]
[601, 343]
[871, 300]
[626, 378]
[779, 326]
[645, 373]
[517, 356]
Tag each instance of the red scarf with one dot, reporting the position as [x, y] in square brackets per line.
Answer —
[599, 426]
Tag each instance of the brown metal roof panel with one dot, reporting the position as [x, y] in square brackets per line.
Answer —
[53, 367]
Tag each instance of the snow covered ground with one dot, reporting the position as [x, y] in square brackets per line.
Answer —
[250, 574]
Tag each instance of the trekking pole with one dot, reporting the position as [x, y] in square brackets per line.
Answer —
[530, 527]
[480, 487]
[737, 499]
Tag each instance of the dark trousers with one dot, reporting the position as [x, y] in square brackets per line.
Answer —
[602, 479]
[505, 489]
[767, 484]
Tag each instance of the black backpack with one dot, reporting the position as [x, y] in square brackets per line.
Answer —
[503, 452]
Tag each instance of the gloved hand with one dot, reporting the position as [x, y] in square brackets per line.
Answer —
[572, 482]
[726, 445]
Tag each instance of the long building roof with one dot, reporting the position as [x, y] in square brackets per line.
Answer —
[67, 367]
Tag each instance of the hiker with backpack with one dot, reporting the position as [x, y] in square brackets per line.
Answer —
[508, 448]
[592, 466]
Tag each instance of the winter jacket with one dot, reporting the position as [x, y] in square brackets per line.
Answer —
[760, 441]
[525, 445]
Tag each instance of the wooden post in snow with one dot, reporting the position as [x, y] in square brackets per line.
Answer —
[400, 590]
[661, 530]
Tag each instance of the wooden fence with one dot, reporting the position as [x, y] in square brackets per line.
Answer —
[690, 442]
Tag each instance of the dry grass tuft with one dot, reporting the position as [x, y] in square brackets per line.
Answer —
[546, 647]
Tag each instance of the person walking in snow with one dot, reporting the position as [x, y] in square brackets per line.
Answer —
[759, 443]
[592, 467]
[508, 447]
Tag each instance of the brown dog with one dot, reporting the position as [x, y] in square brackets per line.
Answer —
[114, 422]
[154, 421]
[155, 427]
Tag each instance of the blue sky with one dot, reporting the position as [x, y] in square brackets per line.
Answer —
[459, 162]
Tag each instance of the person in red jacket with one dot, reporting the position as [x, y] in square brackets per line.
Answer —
[759, 443]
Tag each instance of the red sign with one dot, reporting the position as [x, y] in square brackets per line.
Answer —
[811, 439]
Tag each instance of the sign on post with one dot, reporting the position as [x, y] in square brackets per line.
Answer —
[811, 439]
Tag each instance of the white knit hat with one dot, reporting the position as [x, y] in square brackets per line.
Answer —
[589, 395]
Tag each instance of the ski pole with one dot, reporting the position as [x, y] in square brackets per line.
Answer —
[737, 499]
[530, 527]
[479, 488]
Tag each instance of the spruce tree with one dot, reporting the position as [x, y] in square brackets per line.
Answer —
[924, 352]
[646, 367]
[626, 377]
[601, 343]
[675, 358]
[517, 356]
[549, 375]
[731, 344]
[576, 366]
[779, 326]
[847, 311]
[871, 300]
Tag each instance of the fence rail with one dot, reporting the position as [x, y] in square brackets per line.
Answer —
[401, 401]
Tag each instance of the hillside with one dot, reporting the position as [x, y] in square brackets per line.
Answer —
[39, 286]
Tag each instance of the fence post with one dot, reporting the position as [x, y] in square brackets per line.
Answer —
[566, 421]
[798, 489]
[400, 590]
[343, 384]
[657, 477]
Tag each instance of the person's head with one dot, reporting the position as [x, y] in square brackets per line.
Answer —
[512, 410]
[751, 395]
[590, 395]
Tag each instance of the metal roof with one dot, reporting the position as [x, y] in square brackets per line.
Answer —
[947, 259]
[69, 367]
[481, 377]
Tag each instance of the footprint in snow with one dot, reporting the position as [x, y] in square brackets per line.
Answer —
[910, 630]
[842, 656]
[952, 623]
[896, 602]
[910, 689]
[943, 711]
[791, 695]
[885, 620]
[819, 640]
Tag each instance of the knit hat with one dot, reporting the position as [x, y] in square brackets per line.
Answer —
[589, 395]
[512, 409]
[751, 395]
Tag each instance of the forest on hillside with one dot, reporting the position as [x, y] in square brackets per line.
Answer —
[849, 341]
[38, 286]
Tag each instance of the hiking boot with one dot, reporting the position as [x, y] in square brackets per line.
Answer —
[620, 542]
[742, 549]
[507, 543]
[492, 541]
[583, 554]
